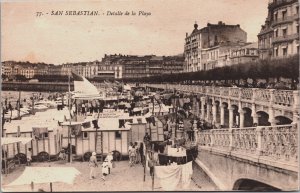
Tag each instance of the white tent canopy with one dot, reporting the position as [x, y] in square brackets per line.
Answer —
[11, 140]
[40, 175]
[85, 90]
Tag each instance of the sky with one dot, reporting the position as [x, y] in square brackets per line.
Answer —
[59, 39]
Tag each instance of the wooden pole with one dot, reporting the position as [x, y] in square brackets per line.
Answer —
[70, 139]
[153, 178]
[32, 186]
[51, 187]
[19, 117]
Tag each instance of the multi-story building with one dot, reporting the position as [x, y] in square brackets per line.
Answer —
[7, 68]
[55, 70]
[279, 37]
[173, 64]
[28, 71]
[206, 41]
[244, 54]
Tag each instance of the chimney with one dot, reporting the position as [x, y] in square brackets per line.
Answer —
[186, 34]
[220, 23]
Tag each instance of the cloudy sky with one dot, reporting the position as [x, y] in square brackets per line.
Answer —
[65, 38]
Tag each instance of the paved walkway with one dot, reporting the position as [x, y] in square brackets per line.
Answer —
[122, 178]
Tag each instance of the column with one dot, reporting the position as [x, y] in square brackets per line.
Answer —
[197, 109]
[202, 108]
[254, 115]
[271, 116]
[242, 118]
[230, 117]
[214, 112]
[208, 109]
[222, 115]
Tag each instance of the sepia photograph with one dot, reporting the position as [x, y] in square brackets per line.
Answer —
[149, 95]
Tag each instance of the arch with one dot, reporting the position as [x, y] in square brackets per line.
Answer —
[283, 120]
[253, 185]
[263, 118]
[248, 119]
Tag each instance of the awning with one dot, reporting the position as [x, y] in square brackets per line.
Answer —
[46, 175]
[11, 140]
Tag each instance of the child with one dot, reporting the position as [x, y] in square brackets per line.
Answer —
[110, 158]
[105, 169]
[29, 157]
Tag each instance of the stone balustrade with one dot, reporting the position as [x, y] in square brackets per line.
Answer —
[286, 98]
[278, 143]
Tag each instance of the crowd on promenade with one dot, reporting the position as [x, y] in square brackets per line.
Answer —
[270, 85]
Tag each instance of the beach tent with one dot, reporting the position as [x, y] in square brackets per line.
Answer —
[11, 140]
[83, 89]
[40, 175]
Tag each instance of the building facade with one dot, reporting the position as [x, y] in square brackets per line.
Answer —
[279, 36]
[207, 42]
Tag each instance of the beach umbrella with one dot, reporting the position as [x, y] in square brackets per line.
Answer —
[40, 175]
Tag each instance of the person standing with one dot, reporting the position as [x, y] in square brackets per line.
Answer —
[105, 169]
[29, 157]
[93, 164]
[110, 158]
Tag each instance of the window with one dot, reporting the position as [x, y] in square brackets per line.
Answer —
[297, 10]
[275, 16]
[118, 135]
[276, 52]
[276, 33]
[284, 32]
[283, 15]
[284, 51]
[297, 26]
[85, 135]
[297, 49]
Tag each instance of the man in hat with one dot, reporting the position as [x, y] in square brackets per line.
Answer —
[93, 164]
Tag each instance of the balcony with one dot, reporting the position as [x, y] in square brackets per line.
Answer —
[285, 38]
[287, 19]
[279, 3]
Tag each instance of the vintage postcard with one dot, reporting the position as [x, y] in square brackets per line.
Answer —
[149, 95]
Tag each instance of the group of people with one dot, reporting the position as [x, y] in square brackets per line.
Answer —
[136, 153]
[106, 166]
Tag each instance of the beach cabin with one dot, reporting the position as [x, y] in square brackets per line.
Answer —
[109, 133]
[46, 142]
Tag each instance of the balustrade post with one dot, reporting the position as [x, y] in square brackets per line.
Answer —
[212, 138]
[240, 93]
[272, 97]
[230, 117]
[259, 134]
[230, 130]
[296, 106]
[254, 91]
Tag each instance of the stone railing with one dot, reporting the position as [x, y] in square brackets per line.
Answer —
[277, 143]
[284, 97]
[279, 97]
[280, 143]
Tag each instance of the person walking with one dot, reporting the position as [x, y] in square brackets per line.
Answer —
[93, 164]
